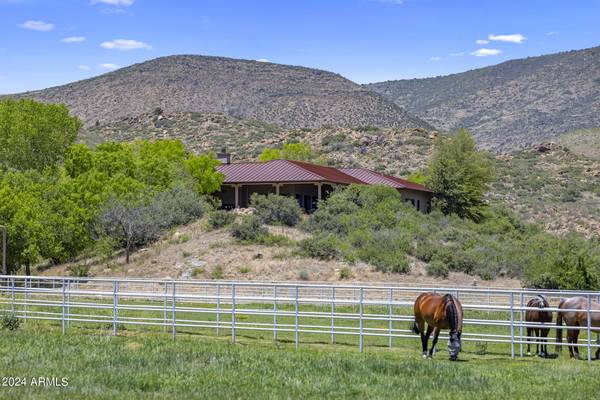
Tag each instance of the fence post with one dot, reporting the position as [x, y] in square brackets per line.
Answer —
[361, 309]
[115, 305]
[333, 315]
[64, 298]
[521, 317]
[68, 303]
[218, 309]
[512, 324]
[233, 312]
[165, 295]
[297, 321]
[275, 313]
[174, 311]
[390, 318]
[12, 288]
[589, 327]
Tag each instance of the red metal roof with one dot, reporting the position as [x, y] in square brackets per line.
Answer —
[280, 171]
[376, 178]
[289, 171]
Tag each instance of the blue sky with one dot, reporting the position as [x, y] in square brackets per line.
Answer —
[50, 42]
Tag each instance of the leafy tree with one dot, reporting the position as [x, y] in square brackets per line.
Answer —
[459, 176]
[34, 135]
[289, 151]
[202, 169]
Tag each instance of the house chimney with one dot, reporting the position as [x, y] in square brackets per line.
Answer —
[224, 158]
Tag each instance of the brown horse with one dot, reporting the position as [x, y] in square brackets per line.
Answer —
[539, 316]
[577, 318]
[440, 312]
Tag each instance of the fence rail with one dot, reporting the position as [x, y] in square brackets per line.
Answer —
[367, 315]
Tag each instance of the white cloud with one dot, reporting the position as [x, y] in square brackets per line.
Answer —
[457, 54]
[485, 52]
[435, 58]
[108, 66]
[552, 33]
[513, 38]
[118, 3]
[263, 60]
[37, 25]
[481, 41]
[125, 44]
[73, 39]
[83, 67]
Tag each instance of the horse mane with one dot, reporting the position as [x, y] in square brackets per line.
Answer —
[450, 307]
[542, 301]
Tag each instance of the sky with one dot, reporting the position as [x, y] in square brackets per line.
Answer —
[46, 43]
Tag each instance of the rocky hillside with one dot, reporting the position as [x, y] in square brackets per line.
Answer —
[509, 105]
[557, 185]
[286, 95]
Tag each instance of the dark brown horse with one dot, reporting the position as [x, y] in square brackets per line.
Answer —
[440, 312]
[576, 318]
[539, 316]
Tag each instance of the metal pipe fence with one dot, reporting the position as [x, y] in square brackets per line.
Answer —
[363, 315]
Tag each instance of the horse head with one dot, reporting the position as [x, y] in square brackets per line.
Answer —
[454, 345]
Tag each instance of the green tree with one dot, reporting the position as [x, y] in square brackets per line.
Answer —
[459, 176]
[203, 170]
[34, 135]
[289, 151]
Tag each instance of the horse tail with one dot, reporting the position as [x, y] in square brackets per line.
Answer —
[559, 321]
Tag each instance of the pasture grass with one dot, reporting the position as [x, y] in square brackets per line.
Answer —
[136, 365]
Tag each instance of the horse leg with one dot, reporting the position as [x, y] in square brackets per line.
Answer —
[529, 332]
[425, 339]
[436, 333]
[538, 335]
[569, 341]
[598, 343]
[576, 339]
[544, 333]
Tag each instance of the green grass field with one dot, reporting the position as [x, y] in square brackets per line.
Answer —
[149, 365]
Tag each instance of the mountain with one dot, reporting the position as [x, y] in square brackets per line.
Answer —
[289, 96]
[510, 105]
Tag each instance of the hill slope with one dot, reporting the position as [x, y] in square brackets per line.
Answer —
[286, 95]
[509, 105]
[554, 185]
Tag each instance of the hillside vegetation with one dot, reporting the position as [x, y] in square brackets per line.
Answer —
[554, 185]
[510, 105]
[287, 95]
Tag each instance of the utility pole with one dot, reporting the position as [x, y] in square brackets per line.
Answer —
[4, 266]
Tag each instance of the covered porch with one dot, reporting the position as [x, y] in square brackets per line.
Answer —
[307, 194]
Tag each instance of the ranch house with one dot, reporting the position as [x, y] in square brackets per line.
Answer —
[306, 182]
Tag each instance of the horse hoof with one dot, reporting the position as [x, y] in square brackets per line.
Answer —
[453, 358]
[424, 355]
[528, 353]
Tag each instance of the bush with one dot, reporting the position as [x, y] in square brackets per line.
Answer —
[437, 268]
[249, 229]
[220, 219]
[345, 273]
[217, 272]
[9, 321]
[79, 270]
[323, 247]
[275, 209]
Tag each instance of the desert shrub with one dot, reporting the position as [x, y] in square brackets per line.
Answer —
[217, 272]
[323, 247]
[9, 321]
[249, 229]
[220, 219]
[424, 250]
[345, 273]
[304, 275]
[437, 268]
[275, 209]
[79, 270]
